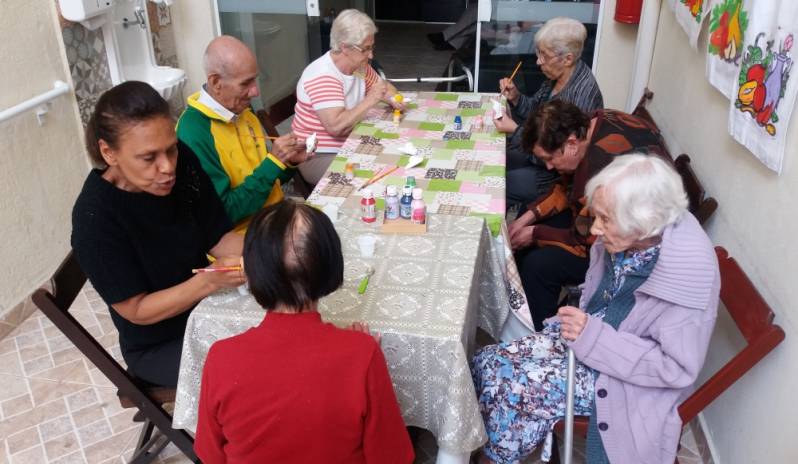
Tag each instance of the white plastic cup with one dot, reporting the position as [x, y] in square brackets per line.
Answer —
[366, 244]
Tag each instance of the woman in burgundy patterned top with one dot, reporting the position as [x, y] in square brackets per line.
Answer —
[552, 237]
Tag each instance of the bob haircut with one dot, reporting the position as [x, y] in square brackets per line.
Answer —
[117, 109]
[292, 256]
[351, 27]
[644, 192]
[563, 36]
[552, 123]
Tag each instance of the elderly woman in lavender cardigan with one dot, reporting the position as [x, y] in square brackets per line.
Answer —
[648, 308]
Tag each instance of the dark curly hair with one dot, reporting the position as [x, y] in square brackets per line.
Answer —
[127, 103]
[552, 123]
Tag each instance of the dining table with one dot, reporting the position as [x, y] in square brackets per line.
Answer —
[428, 292]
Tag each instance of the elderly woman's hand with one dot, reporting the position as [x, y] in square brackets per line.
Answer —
[522, 237]
[505, 124]
[509, 90]
[572, 321]
[364, 327]
[378, 92]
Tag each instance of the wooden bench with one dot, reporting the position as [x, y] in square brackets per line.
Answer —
[753, 318]
[701, 205]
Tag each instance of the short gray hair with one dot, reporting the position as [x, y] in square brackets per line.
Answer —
[563, 35]
[645, 194]
[351, 27]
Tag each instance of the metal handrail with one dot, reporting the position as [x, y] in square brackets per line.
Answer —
[59, 88]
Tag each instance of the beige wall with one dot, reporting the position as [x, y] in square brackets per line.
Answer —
[615, 55]
[41, 168]
[755, 421]
[194, 24]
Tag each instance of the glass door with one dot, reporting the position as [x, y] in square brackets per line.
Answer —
[285, 35]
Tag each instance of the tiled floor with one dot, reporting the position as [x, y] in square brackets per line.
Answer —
[56, 407]
[404, 51]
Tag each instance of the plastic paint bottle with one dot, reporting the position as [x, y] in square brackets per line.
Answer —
[411, 181]
[368, 206]
[458, 123]
[405, 204]
[397, 116]
[418, 213]
[349, 171]
[476, 123]
[391, 203]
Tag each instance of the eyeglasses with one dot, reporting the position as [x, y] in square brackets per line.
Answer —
[364, 50]
[544, 56]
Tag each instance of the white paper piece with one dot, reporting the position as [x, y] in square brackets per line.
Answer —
[310, 143]
[498, 109]
[408, 148]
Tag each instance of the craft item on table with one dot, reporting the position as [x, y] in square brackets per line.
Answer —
[414, 161]
[476, 123]
[498, 109]
[405, 209]
[728, 21]
[331, 210]
[349, 171]
[364, 282]
[397, 116]
[398, 98]
[408, 148]
[379, 176]
[310, 143]
[418, 209]
[368, 206]
[458, 123]
[216, 269]
[411, 181]
[366, 243]
[391, 203]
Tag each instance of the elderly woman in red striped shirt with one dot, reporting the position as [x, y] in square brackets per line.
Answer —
[335, 91]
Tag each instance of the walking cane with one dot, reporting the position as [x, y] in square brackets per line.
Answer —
[574, 294]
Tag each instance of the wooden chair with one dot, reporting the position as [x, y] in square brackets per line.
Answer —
[278, 113]
[700, 205]
[133, 393]
[753, 318]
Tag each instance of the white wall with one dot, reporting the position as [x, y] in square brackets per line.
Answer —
[41, 168]
[755, 421]
[615, 55]
[194, 24]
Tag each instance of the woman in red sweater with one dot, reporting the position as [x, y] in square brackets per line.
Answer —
[295, 389]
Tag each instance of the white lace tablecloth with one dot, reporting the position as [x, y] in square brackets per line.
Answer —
[427, 296]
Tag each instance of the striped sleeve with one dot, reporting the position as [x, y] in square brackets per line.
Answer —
[325, 92]
[371, 77]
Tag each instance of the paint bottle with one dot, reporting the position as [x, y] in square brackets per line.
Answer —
[418, 209]
[411, 181]
[391, 203]
[349, 171]
[405, 204]
[397, 116]
[476, 123]
[458, 123]
[368, 206]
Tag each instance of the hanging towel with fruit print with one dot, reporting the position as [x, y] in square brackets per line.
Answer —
[766, 86]
[690, 15]
[728, 20]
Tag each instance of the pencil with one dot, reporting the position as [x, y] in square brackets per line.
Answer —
[216, 269]
[515, 71]
[378, 177]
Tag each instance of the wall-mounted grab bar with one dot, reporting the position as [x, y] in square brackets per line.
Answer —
[41, 100]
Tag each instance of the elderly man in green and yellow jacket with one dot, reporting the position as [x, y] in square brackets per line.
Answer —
[228, 139]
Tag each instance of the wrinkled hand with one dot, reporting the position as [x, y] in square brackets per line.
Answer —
[289, 149]
[225, 279]
[522, 237]
[509, 90]
[364, 327]
[505, 124]
[572, 321]
[378, 92]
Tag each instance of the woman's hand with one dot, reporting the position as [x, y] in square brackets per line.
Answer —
[377, 92]
[505, 124]
[225, 279]
[522, 238]
[572, 322]
[509, 90]
[364, 327]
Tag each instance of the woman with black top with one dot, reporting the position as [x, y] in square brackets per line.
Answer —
[142, 222]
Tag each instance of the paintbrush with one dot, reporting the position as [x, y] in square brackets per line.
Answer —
[378, 177]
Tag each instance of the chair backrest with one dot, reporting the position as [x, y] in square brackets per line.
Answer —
[701, 206]
[753, 317]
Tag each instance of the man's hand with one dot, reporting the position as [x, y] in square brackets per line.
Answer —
[522, 237]
[284, 148]
[509, 90]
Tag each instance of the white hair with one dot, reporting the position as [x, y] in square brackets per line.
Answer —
[351, 27]
[563, 36]
[644, 194]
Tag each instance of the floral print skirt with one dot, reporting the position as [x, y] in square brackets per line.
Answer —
[521, 386]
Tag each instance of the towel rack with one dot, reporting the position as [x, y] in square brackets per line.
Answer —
[41, 101]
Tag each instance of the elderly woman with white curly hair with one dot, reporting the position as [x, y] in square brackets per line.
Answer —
[559, 44]
[647, 311]
[336, 90]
